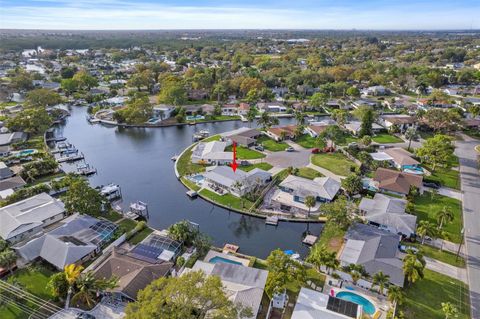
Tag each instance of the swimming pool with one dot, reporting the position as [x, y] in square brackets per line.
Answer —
[368, 307]
[27, 152]
[198, 179]
[218, 259]
[196, 117]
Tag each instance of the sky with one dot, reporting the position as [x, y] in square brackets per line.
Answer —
[240, 14]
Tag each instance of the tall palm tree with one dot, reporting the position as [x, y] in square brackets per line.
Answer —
[381, 280]
[317, 256]
[265, 121]
[395, 296]
[413, 266]
[331, 261]
[444, 216]
[410, 134]
[426, 228]
[300, 118]
[89, 287]
[72, 272]
[310, 202]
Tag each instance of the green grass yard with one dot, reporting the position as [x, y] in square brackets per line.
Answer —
[443, 256]
[386, 138]
[141, 235]
[426, 208]
[337, 163]
[264, 166]
[331, 237]
[307, 141]
[271, 145]
[424, 298]
[308, 172]
[244, 153]
[185, 165]
[227, 200]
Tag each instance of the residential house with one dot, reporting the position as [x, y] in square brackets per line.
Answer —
[281, 133]
[355, 126]
[242, 136]
[293, 190]
[4, 150]
[5, 171]
[9, 185]
[272, 107]
[199, 94]
[76, 239]
[399, 158]
[427, 103]
[313, 304]
[387, 180]
[23, 219]
[400, 120]
[374, 249]
[224, 179]
[211, 153]
[133, 273]
[388, 213]
[163, 111]
[230, 109]
[243, 109]
[315, 130]
[243, 285]
[364, 102]
[11, 138]
[376, 90]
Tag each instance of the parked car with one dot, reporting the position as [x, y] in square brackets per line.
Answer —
[404, 248]
[84, 315]
[315, 151]
[259, 148]
[431, 185]
[245, 163]
[290, 149]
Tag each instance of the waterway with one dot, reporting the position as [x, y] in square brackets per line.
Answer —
[139, 160]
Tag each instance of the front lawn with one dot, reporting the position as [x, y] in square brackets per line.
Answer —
[271, 144]
[308, 172]
[445, 176]
[336, 163]
[185, 165]
[264, 166]
[127, 224]
[440, 255]
[227, 200]
[424, 298]
[190, 184]
[244, 153]
[427, 208]
[141, 235]
[307, 141]
[33, 279]
[386, 138]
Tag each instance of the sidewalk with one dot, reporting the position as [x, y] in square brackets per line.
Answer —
[446, 269]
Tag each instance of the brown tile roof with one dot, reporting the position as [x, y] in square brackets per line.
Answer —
[318, 128]
[133, 274]
[395, 181]
[404, 119]
[289, 130]
[401, 156]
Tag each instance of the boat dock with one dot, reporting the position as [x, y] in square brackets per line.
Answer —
[111, 191]
[192, 194]
[271, 220]
[86, 170]
[309, 240]
[71, 158]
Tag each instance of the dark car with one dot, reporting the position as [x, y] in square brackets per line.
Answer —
[315, 150]
[431, 185]
[84, 315]
[245, 163]
[259, 148]
[290, 149]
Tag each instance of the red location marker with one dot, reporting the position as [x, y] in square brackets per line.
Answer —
[234, 164]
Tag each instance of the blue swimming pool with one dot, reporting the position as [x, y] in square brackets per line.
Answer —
[368, 307]
[26, 152]
[197, 179]
[218, 259]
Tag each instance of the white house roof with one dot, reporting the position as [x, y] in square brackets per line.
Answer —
[324, 187]
[27, 214]
[312, 304]
[389, 211]
[214, 150]
[224, 175]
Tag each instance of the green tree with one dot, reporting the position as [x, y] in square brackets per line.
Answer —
[88, 287]
[58, 285]
[413, 266]
[81, 198]
[444, 216]
[310, 202]
[353, 91]
[436, 151]
[440, 120]
[42, 98]
[266, 120]
[319, 256]
[183, 232]
[366, 140]
[7, 259]
[426, 228]
[367, 122]
[334, 134]
[396, 296]
[380, 279]
[352, 184]
[173, 93]
[449, 310]
[410, 134]
[318, 100]
[340, 116]
[189, 296]
[69, 86]
[282, 270]
[339, 212]
[85, 80]
[251, 114]
[72, 272]
[137, 111]
[32, 121]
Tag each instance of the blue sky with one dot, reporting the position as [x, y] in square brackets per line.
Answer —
[240, 14]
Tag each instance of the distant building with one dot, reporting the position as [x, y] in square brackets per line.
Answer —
[5, 171]
[242, 136]
[401, 121]
[11, 138]
[281, 133]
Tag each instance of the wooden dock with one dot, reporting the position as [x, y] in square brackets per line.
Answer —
[192, 194]
[272, 220]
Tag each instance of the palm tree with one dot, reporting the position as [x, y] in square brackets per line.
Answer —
[89, 287]
[449, 310]
[355, 276]
[7, 259]
[395, 296]
[310, 202]
[72, 272]
[300, 118]
[410, 134]
[413, 266]
[331, 261]
[251, 114]
[444, 216]
[264, 120]
[426, 228]
[381, 280]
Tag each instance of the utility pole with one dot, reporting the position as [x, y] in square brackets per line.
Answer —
[461, 242]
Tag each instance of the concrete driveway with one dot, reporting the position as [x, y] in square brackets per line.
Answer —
[452, 193]
[446, 269]
[283, 159]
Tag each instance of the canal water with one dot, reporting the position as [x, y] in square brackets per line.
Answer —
[139, 160]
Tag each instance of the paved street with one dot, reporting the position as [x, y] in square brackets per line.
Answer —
[470, 183]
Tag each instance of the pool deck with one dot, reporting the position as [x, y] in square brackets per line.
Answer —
[212, 253]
